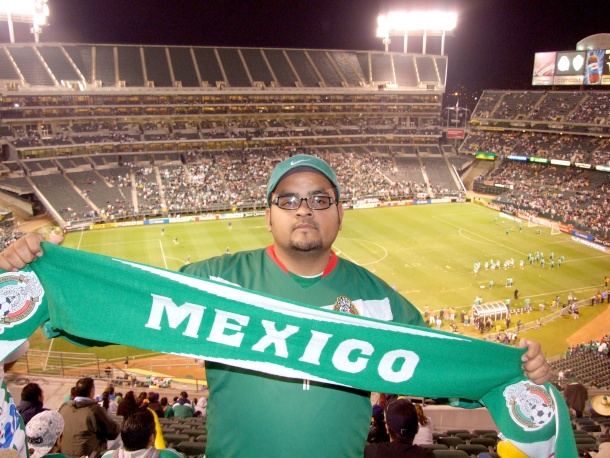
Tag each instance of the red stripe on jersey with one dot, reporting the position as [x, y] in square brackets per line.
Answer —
[332, 262]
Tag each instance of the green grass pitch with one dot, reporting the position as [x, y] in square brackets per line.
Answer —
[426, 251]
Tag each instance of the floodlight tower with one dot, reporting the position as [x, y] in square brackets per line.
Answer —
[431, 23]
[34, 12]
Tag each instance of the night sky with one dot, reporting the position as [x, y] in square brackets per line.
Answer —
[493, 46]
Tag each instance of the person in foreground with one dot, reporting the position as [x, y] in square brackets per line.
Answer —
[402, 425]
[88, 427]
[138, 436]
[304, 218]
[44, 433]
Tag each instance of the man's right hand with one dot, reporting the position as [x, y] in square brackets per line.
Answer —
[24, 251]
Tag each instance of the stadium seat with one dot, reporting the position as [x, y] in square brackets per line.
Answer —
[435, 436]
[434, 446]
[583, 421]
[466, 436]
[591, 428]
[450, 441]
[179, 426]
[585, 440]
[194, 432]
[165, 429]
[173, 439]
[453, 432]
[450, 454]
[486, 441]
[195, 420]
[472, 449]
[191, 448]
[586, 447]
[482, 432]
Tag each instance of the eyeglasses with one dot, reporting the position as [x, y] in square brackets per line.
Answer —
[313, 202]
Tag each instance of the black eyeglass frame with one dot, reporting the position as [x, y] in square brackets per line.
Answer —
[295, 199]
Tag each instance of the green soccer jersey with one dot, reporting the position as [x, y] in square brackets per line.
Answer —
[256, 415]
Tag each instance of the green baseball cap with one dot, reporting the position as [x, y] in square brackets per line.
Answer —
[301, 162]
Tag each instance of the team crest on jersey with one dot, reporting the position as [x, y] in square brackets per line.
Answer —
[530, 406]
[20, 295]
[344, 305]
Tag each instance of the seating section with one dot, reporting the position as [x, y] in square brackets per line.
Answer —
[574, 107]
[186, 435]
[592, 370]
[589, 433]
[189, 436]
[120, 186]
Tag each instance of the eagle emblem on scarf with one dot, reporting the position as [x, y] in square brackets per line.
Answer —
[20, 295]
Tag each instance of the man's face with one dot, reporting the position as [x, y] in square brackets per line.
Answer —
[304, 230]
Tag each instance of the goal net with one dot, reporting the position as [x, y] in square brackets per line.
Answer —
[555, 229]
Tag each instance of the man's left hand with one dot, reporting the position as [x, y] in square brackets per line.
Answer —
[535, 366]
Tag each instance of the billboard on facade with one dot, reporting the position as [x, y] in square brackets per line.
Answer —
[544, 68]
[572, 68]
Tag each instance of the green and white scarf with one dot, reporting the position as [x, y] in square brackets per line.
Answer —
[66, 291]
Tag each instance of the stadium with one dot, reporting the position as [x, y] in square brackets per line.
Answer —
[493, 222]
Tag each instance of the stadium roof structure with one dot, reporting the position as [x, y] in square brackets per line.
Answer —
[597, 41]
[94, 67]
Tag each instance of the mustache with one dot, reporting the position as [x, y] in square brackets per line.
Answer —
[305, 221]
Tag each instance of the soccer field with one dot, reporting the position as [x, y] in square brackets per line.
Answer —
[426, 251]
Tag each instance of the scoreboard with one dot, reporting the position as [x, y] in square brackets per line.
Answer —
[569, 68]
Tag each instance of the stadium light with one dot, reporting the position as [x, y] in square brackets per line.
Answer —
[433, 23]
[33, 12]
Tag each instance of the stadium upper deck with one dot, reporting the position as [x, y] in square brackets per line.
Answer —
[57, 66]
[575, 112]
[65, 99]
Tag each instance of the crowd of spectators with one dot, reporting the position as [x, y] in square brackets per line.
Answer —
[199, 181]
[569, 195]
[575, 148]
[229, 128]
[578, 107]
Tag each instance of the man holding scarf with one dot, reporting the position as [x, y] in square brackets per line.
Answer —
[256, 414]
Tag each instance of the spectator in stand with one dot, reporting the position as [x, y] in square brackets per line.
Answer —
[402, 425]
[32, 399]
[138, 435]
[44, 433]
[88, 426]
[576, 395]
[164, 405]
[128, 405]
[169, 412]
[378, 431]
[155, 405]
[426, 427]
[70, 395]
[183, 408]
[142, 399]
[201, 407]
[109, 405]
